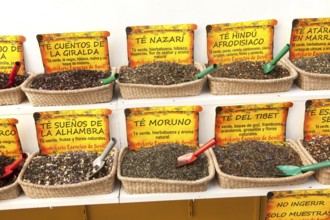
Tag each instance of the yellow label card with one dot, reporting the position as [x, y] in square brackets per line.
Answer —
[310, 37]
[10, 144]
[166, 43]
[150, 126]
[74, 51]
[262, 122]
[241, 41]
[62, 131]
[298, 205]
[11, 51]
[317, 118]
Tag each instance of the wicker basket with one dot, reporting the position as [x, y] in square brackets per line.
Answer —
[92, 187]
[11, 191]
[235, 182]
[12, 96]
[67, 97]
[229, 86]
[322, 175]
[143, 91]
[311, 81]
[147, 185]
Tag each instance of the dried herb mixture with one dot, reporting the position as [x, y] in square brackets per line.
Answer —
[315, 64]
[249, 70]
[255, 158]
[65, 168]
[158, 73]
[318, 147]
[160, 162]
[69, 80]
[5, 77]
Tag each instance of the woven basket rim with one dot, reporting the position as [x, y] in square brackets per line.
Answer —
[8, 187]
[26, 88]
[266, 179]
[293, 75]
[162, 181]
[68, 186]
[305, 73]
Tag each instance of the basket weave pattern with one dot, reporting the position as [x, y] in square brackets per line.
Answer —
[147, 185]
[311, 81]
[144, 91]
[322, 175]
[11, 191]
[229, 86]
[12, 96]
[235, 182]
[92, 187]
[67, 97]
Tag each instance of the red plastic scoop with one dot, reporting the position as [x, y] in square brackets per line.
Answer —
[12, 167]
[12, 76]
[191, 157]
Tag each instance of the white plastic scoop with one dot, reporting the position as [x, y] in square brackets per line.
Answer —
[99, 162]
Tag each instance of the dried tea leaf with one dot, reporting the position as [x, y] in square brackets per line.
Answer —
[249, 70]
[158, 73]
[70, 80]
[255, 158]
[160, 162]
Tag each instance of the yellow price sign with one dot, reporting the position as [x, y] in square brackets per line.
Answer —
[62, 131]
[150, 126]
[74, 51]
[298, 205]
[317, 118]
[9, 140]
[261, 122]
[166, 43]
[310, 37]
[11, 51]
[240, 41]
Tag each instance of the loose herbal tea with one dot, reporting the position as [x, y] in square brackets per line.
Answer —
[318, 147]
[5, 77]
[255, 158]
[159, 73]
[160, 162]
[66, 168]
[70, 80]
[5, 161]
[315, 64]
[249, 70]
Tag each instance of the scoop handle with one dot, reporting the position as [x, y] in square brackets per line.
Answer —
[280, 54]
[206, 146]
[108, 148]
[16, 163]
[110, 78]
[206, 71]
[316, 166]
[13, 74]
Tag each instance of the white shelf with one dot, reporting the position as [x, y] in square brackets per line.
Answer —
[23, 202]
[24, 111]
[119, 196]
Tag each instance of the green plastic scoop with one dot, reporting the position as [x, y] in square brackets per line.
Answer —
[289, 170]
[206, 71]
[271, 65]
[110, 79]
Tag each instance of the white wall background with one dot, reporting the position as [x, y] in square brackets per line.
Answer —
[32, 17]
